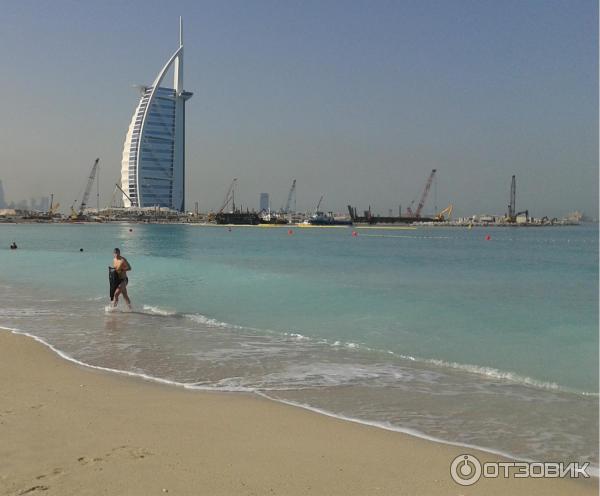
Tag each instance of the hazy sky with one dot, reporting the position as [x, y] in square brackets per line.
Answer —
[357, 100]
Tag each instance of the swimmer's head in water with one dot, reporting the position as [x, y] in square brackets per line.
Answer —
[116, 251]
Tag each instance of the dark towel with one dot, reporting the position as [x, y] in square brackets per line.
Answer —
[114, 281]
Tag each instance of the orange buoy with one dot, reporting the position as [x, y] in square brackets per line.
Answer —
[354, 233]
[488, 237]
[290, 231]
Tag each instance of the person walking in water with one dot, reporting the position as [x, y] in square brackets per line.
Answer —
[121, 266]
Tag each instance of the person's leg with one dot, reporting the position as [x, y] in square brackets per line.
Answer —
[125, 295]
[116, 296]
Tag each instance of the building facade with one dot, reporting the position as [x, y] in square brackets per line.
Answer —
[264, 202]
[153, 163]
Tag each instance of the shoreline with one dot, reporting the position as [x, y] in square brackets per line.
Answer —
[592, 470]
[413, 226]
[397, 469]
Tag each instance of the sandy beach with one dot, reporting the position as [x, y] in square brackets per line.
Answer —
[66, 429]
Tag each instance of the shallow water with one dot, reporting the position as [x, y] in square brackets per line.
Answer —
[435, 331]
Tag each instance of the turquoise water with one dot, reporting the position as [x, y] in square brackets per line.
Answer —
[435, 330]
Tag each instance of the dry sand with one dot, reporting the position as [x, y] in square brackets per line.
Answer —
[71, 430]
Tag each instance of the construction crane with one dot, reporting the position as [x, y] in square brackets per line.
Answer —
[86, 192]
[229, 197]
[292, 193]
[112, 204]
[423, 198]
[444, 214]
[512, 208]
[113, 197]
[512, 214]
[122, 191]
[319, 204]
[53, 208]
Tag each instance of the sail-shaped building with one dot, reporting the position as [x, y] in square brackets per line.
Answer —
[153, 164]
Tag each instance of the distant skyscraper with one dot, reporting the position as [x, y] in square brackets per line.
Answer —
[44, 203]
[2, 204]
[264, 201]
[153, 164]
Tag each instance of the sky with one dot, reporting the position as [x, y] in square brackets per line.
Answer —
[357, 100]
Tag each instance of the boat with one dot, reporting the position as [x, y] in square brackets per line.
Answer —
[268, 217]
[368, 219]
[237, 218]
[323, 219]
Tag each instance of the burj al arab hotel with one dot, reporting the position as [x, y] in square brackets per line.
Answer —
[153, 164]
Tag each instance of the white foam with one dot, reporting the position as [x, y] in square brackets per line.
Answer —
[326, 374]
[158, 311]
[489, 372]
[24, 312]
[207, 321]
[351, 345]
[146, 310]
[297, 336]
[494, 373]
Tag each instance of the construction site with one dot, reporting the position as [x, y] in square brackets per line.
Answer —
[230, 213]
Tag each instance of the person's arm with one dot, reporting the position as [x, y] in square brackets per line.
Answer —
[127, 266]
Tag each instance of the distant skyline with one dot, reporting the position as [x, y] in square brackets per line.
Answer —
[357, 100]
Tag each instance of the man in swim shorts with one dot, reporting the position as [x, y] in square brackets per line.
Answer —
[121, 266]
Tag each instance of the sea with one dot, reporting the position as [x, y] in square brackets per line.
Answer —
[483, 337]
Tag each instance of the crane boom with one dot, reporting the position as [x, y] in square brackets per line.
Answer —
[88, 187]
[512, 205]
[229, 196]
[286, 209]
[425, 193]
[445, 214]
[122, 191]
[319, 204]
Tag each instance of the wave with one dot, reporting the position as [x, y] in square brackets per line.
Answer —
[494, 373]
[479, 370]
[95, 298]
[152, 310]
[482, 371]
[146, 310]
[297, 336]
[25, 312]
[210, 322]
[33, 312]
